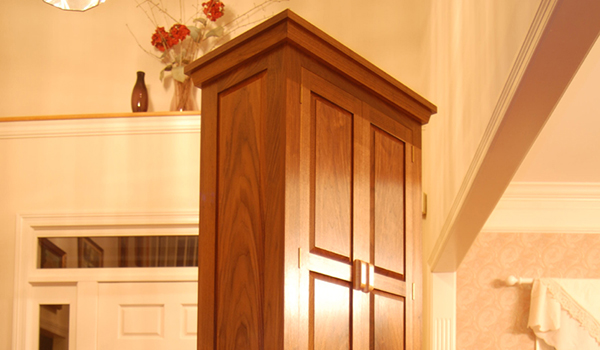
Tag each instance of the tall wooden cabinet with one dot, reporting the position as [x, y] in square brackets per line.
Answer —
[310, 202]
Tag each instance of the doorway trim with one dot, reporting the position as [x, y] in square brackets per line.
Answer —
[29, 279]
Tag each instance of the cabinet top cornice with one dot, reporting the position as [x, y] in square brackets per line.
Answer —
[289, 28]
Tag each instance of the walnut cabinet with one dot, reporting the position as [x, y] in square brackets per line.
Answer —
[310, 196]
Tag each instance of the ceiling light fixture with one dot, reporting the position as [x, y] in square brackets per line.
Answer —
[75, 5]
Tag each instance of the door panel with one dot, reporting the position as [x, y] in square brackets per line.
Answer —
[330, 310]
[388, 322]
[149, 316]
[332, 178]
[387, 197]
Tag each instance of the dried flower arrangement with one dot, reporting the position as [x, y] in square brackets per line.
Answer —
[186, 39]
[181, 44]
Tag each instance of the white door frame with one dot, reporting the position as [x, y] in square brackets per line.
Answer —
[79, 287]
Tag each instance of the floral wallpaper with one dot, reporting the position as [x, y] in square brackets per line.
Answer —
[492, 315]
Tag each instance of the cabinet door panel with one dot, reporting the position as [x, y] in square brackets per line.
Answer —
[388, 326]
[240, 237]
[330, 313]
[332, 177]
[387, 201]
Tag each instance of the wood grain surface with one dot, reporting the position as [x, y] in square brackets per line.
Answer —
[310, 160]
[387, 201]
[240, 238]
[332, 178]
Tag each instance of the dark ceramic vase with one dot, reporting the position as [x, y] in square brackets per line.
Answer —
[139, 96]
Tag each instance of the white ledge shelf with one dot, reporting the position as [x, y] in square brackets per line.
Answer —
[99, 124]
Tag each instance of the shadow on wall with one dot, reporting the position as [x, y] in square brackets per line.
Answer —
[492, 315]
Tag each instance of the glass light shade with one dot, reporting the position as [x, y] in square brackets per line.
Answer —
[74, 5]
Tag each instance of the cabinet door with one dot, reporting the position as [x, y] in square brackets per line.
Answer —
[327, 168]
[355, 210]
[386, 166]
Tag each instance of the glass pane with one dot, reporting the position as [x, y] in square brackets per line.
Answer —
[131, 251]
[75, 5]
[54, 327]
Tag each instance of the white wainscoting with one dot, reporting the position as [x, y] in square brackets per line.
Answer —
[443, 333]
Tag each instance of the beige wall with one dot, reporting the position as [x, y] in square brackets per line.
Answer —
[59, 62]
[474, 46]
[491, 315]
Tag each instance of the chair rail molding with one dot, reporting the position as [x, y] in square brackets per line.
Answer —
[97, 125]
[547, 207]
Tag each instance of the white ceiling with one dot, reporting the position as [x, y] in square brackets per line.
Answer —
[568, 148]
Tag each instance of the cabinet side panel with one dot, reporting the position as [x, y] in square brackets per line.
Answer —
[208, 215]
[240, 237]
[330, 312]
[332, 178]
[387, 186]
[388, 329]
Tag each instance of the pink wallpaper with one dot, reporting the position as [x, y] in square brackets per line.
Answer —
[491, 315]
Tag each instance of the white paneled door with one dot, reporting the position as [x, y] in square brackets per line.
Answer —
[63, 307]
[147, 315]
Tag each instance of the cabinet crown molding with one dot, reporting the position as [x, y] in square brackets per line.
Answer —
[287, 28]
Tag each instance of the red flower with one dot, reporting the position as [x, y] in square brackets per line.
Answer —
[213, 9]
[161, 39]
[179, 32]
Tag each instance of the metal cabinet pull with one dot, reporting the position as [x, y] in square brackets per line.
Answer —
[371, 277]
